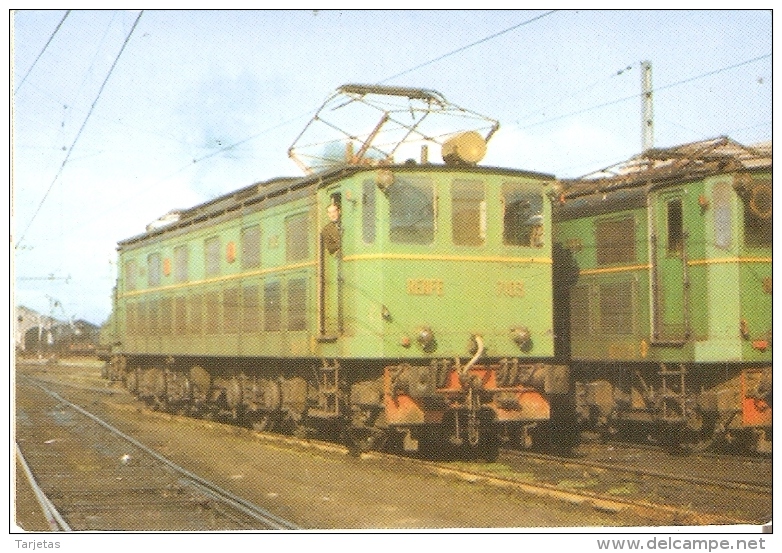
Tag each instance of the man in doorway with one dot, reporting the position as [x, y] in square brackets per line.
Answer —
[332, 232]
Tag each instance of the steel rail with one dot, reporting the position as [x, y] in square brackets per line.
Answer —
[56, 521]
[668, 514]
[726, 484]
[203, 485]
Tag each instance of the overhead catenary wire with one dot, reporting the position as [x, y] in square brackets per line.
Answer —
[461, 49]
[578, 92]
[311, 112]
[475, 43]
[419, 66]
[217, 151]
[45, 46]
[78, 134]
[657, 89]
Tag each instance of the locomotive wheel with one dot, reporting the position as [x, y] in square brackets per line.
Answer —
[697, 434]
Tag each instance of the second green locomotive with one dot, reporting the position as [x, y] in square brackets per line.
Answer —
[664, 294]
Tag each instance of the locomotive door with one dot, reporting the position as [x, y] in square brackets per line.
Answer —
[670, 297]
[330, 224]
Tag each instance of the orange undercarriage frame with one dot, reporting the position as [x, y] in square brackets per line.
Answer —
[413, 396]
[755, 411]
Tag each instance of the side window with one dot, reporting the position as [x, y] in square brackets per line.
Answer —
[131, 273]
[297, 304]
[616, 307]
[196, 302]
[272, 308]
[468, 213]
[251, 247]
[615, 241]
[250, 309]
[723, 192]
[675, 243]
[212, 256]
[368, 211]
[181, 255]
[154, 269]
[522, 216]
[297, 237]
[411, 211]
[231, 310]
[212, 312]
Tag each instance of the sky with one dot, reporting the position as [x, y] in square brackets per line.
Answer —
[118, 119]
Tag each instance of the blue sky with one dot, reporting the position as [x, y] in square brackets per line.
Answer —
[200, 103]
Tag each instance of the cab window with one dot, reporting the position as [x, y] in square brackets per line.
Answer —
[468, 213]
[675, 244]
[411, 211]
[522, 216]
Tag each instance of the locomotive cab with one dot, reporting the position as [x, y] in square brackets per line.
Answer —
[441, 276]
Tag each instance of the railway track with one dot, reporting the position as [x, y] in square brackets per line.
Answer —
[731, 495]
[662, 494]
[88, 475]
[653, 495]
[728, 471]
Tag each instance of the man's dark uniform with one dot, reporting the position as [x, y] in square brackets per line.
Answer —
[331, 236]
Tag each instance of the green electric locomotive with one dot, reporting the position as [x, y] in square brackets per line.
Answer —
[663, 292]
[370, 298]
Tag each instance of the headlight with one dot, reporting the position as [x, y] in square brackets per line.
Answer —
[522, 337]
[426, 339]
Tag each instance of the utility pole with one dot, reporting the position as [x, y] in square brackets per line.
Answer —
[647, 114]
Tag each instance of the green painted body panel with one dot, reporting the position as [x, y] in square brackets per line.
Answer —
[483, 289]
[699, 322]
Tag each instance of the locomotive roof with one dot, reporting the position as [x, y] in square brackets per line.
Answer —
[281, 187]
[660, 166]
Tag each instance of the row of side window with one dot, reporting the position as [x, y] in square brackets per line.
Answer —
[235, 310]
[296, 242]
[615, 238]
